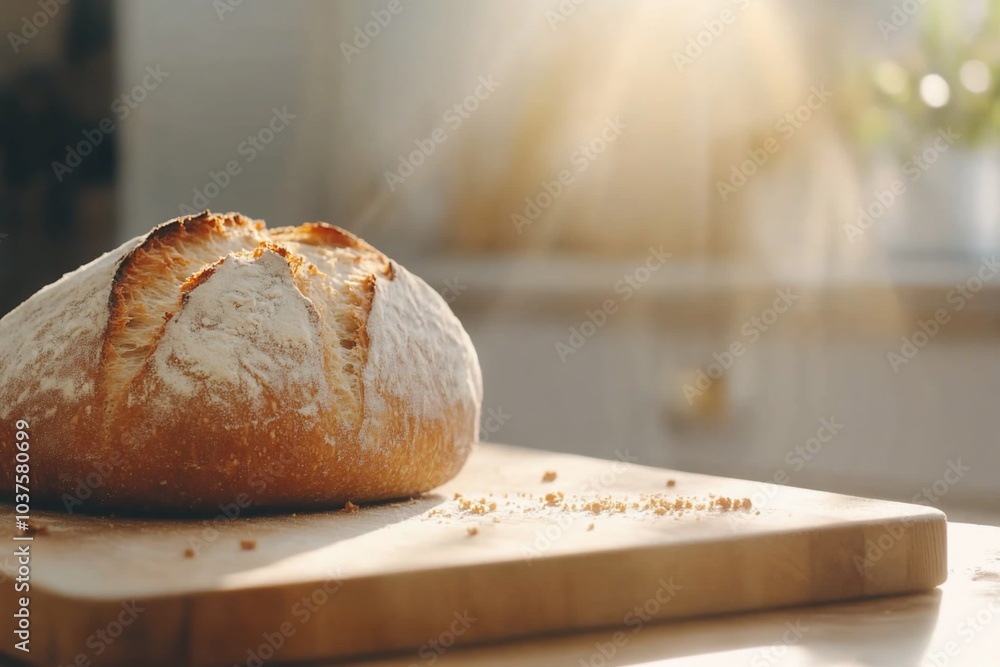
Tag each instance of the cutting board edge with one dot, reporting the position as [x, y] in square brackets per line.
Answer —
[189, 628]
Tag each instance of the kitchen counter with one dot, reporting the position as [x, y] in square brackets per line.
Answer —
[957, 624]
[915, 283]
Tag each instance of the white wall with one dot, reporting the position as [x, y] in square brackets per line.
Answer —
[899, 430]
[224, 78]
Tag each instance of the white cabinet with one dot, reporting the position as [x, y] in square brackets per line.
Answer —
[898, 432]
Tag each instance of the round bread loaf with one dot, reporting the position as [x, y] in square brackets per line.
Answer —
[214, 361]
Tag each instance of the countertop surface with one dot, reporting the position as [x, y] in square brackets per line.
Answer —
[957, 624]
[522, 543]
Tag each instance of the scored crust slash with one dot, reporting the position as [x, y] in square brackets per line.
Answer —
[194, 356]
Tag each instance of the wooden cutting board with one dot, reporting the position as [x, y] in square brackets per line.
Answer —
[501, 561]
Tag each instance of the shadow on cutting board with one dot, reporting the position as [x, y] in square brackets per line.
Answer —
[74, 550]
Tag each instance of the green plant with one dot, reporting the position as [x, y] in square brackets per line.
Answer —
[947, 76]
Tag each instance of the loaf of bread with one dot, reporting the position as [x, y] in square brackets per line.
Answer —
[214, 361]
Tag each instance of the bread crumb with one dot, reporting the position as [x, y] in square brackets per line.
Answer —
[553, 499]
[549, 476]
[248, 545]
[478, 507]
[671, 483]
[649, 504]
[350, 507]
[189, 553]
[590, 527]
[473, 531]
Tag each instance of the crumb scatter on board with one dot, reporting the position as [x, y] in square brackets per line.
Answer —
[549, 476]
[248, 545]
[350, 507]
[635, 505]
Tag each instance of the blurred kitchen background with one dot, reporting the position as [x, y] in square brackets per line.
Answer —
[823, 174]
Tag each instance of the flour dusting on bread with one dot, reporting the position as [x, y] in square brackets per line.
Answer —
[246, 327]
[409, 333]
[36, 338]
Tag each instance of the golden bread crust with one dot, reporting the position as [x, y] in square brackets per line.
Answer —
[215, 361]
